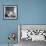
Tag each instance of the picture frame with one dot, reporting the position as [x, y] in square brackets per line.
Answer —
[33, 30]
[10, 12]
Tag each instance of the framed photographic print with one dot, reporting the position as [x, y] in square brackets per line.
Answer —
[33, 32]
[10, 11]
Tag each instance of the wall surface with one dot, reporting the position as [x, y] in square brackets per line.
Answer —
[33, 12]
[29, 12]
[7, 26]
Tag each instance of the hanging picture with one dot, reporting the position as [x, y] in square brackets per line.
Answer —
[10, 11]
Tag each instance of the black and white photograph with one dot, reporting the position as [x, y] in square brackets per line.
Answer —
[10, 11]
[32, 35]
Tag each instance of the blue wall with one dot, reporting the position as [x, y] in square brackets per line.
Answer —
[29, 12]
[7, 26]
[33, 11]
